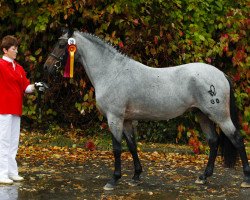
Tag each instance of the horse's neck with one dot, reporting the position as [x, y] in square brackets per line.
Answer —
[100, 64]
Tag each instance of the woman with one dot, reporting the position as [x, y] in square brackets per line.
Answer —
[13, 85]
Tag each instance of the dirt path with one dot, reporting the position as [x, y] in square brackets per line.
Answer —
[165, 176]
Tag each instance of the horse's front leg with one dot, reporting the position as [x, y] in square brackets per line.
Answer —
[131, 142]
[116, 126]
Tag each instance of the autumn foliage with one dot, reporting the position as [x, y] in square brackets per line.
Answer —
[155, 32]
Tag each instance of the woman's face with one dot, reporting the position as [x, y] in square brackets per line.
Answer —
[11, 52]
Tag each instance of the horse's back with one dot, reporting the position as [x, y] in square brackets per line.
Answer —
[142, 92]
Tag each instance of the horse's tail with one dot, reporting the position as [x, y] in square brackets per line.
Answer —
[228, 150]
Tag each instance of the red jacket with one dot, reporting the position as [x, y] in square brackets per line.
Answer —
[12, 87]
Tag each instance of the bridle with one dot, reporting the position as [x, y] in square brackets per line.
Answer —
[56, 57]
[58, 63]
[59, 60]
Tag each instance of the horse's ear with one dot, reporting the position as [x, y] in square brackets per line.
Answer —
[70, 32]
[64, 30]
[67, 30]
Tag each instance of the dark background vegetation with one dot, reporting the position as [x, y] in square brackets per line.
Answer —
[158, 33]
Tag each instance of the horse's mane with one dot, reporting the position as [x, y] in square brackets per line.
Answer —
[102, 43]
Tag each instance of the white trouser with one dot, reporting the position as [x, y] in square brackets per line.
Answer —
[9, 192]
[9, 140]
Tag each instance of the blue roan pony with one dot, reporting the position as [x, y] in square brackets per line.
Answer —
[127, 90]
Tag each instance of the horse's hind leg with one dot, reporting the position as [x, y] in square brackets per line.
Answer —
[234, 135]
[208, 128]
[128, 132]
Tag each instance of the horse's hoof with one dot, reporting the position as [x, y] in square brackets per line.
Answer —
[134, 182]
[109, 186]
[200, 181]
[245, 185]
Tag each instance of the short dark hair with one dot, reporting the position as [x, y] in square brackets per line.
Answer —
[9, 41]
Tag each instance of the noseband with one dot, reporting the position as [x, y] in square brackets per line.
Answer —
[58, 63]
[56, 57]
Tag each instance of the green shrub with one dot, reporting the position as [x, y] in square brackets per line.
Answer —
[155, 32]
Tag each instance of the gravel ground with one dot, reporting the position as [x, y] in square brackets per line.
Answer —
[169, 177]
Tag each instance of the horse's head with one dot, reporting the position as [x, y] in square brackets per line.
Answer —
[57, 58]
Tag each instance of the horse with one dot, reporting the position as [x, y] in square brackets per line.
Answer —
[127, 91]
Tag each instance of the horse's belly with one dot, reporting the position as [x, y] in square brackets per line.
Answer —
[162, 113]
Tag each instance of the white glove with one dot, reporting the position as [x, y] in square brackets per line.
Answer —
[41, 86]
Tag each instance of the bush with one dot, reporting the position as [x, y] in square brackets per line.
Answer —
[155, 32]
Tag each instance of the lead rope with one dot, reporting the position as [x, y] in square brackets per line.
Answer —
[39, 106]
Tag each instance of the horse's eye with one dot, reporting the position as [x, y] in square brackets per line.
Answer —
[61, 46]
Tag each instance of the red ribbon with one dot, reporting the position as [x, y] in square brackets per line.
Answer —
[69, 67]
